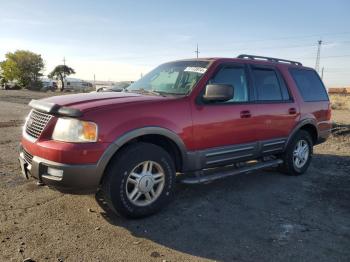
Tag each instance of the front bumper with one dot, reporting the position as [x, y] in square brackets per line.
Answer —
[64, 177]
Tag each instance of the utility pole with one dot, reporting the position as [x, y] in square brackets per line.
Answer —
[322, 73]
[318, 57]
[197, 51]
[64, 73]
[64, 63]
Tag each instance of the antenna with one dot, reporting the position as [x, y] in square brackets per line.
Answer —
[197, 51]
[318, 57]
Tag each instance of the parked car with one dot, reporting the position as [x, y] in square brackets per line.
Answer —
[48, 85]
[194, 120]
[11, 86]
[75, 85]
[116, 87]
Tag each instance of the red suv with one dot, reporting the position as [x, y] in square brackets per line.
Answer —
[193, 120]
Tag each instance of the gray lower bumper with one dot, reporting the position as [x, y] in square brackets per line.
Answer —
[323, 135]
[72, 178]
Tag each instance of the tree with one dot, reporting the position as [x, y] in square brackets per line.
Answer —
[24, 67]
[60, 72]
[2, 78]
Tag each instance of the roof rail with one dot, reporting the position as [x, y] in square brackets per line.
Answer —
[271, 59]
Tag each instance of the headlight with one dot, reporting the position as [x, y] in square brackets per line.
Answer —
[74, 130]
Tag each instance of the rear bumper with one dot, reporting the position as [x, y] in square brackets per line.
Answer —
[64, 177]
[323, 136]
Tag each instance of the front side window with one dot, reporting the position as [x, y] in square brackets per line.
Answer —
[267, 85]
[309, 85]
[175, 78]
[236, 77]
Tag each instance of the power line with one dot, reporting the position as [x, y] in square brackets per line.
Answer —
[324, 57]
[337, 70]
[291, 37]
[277, 47]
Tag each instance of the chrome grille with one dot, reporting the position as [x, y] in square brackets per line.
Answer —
[27, 157]
[36, 123]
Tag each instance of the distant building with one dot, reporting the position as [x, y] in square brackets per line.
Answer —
[339, 90]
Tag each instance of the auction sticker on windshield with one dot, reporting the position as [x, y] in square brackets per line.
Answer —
[195, 69]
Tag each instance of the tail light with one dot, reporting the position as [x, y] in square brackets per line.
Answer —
[329, 111]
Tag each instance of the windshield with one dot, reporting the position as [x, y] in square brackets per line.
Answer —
[177, 78]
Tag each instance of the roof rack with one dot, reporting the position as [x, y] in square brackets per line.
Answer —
[271, 59]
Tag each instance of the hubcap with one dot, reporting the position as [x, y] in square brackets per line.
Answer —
[301, 154]
[145, 183]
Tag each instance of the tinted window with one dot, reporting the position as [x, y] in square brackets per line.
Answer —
[285, 93]
[267, 85]
[309, 84]
[236, 77]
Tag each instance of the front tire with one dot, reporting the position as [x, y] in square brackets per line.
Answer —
[139, 181]
[298, 154]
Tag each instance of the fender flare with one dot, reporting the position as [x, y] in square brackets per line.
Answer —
[130, 135]
[299, 126]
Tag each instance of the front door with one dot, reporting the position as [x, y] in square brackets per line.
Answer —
[226, 131]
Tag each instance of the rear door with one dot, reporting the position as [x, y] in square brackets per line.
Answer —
[276, 111]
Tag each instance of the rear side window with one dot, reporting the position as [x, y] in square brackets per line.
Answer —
[309, 84]
[268, 87]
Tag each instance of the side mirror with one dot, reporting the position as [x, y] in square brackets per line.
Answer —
[218, 93]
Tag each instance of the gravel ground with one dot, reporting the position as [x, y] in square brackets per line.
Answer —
[263, 216]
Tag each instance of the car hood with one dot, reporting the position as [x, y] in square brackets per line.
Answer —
[93, 100]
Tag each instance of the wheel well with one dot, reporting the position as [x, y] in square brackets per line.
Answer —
[311, 129]
[164, 142]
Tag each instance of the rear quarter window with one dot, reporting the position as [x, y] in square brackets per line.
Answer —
[309, 84]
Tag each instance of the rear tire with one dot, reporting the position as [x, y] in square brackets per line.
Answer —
[139, 181]
[298, 154]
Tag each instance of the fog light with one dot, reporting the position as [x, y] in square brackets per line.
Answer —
[56, 174]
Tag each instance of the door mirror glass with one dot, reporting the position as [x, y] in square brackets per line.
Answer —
[218, 93]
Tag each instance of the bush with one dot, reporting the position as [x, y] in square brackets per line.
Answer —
[340, 102]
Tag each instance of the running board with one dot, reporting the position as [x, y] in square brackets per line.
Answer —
[200, 178]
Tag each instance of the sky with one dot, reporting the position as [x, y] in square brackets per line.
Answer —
[120, 40]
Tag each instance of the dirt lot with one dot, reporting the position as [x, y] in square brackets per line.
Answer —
[264, 216]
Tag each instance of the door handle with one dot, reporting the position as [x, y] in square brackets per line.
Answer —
[292, 111]
[245, 114]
